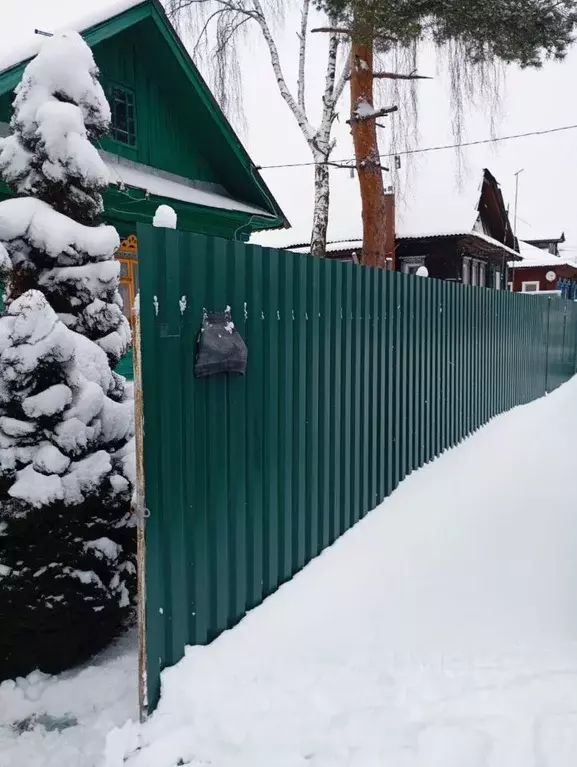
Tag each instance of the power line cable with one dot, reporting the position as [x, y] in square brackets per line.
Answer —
[428, 149]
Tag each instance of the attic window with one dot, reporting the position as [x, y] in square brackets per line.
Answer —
[123, 111]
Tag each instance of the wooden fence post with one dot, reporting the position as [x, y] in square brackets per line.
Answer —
[140, 510]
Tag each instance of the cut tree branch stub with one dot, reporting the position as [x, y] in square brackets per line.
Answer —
[333, 30]
[345, 166]
[396, 76]
[373, 116]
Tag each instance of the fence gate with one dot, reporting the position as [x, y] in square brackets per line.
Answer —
[355, 378]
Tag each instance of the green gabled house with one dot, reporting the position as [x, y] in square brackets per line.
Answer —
[170, 142]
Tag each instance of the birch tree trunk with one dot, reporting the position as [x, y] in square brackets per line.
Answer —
[321, 211]
[367, 154]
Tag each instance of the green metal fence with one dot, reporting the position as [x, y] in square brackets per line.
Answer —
[356, 377]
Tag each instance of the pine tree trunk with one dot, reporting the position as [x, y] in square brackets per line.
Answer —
[367, 157]
[321, 211]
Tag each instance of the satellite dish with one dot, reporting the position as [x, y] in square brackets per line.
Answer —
[551, 276]
[422, 271]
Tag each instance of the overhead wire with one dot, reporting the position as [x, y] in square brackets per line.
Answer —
[423, 150]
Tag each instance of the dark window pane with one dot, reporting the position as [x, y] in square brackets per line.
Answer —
[123, 115]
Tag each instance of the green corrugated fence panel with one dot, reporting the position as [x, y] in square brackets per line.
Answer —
[356, 377]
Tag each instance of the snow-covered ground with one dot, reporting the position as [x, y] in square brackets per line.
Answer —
[63, 721]
[440, 632]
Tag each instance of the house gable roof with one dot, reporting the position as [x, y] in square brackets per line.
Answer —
[492, 208]
[246, 182]
[435, 207]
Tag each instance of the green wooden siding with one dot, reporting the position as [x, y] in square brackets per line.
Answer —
[356, 377]
[167, 137]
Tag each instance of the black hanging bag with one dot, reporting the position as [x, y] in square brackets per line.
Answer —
[220, 347]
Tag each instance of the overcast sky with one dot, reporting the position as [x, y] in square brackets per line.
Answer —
[531, 101]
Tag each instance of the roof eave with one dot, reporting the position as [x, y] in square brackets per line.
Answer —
[478, 237]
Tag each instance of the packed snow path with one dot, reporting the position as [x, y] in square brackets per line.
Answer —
[440, 632]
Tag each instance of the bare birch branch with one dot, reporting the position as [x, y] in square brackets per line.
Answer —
[285, 92]
[302, 55]
[229, 18]
[342, 81]
[204, 31]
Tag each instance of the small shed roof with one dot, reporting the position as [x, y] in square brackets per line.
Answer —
[338, 246]
[534, 257]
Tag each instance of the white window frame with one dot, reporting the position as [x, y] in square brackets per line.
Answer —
[510, 287]
[466, 276]
[411, 264]
[482, 274]
[535, 283]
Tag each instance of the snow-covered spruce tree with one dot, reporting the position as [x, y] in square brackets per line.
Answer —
[67, 565]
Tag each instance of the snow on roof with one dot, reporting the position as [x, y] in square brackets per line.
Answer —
[174, 188]
[335, 247]
[533, 256]
[556, 240]
[338, 245]
[18, 42]
[433, 197]
[332, 247]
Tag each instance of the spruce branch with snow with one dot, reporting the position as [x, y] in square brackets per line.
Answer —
[525, 33]
[59, 109]
[66, 545]
[67, 564]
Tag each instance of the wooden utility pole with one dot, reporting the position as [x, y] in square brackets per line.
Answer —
[368, 163]
[378, 208]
